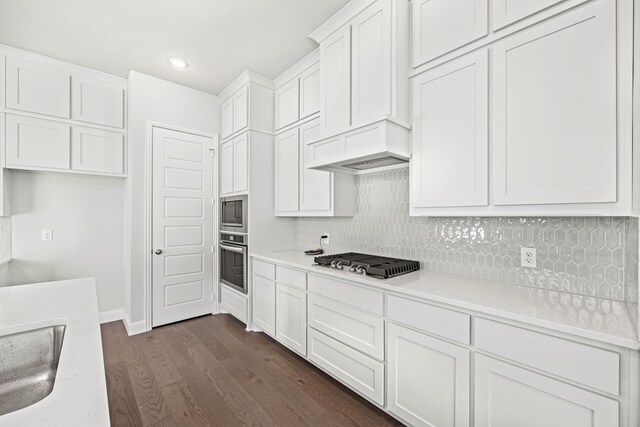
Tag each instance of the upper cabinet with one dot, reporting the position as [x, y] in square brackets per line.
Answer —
[506, 12]
[298, 92]
[97, 102]
[247, 103]
[440, 26]
[554, 107]
[364, 63]
[234, 165]
[38, 89]
[60, 117]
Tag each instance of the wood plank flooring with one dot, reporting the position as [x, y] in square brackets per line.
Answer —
[209, 371]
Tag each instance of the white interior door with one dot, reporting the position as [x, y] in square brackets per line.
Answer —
[182, 226]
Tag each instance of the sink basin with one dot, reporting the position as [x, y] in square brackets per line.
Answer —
[28, 366]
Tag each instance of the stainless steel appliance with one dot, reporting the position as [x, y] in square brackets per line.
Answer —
[373, 265]
[233, 260]
[233, 214]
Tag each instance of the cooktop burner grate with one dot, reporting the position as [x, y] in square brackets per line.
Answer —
[369, 264]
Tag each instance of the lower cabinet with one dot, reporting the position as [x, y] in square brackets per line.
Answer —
[291, 318]
[428, 379]
[507, 396]
[234, 303]
[360, 372]
[264, 304]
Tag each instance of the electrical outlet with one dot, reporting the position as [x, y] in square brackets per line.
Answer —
[326, 238]
[47, 234]
[528, 257]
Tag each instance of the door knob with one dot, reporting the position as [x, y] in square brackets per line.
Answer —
[158, 251]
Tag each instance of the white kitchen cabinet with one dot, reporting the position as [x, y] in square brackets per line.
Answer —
[360, 372]
[310, 91]
[227, 118]
[428, 379]
[97, 102]
[241, 109]
[234, 303]
[287, 171]
[442, 26]
[291, 318]
[554, 111]
[287, 98]
[5, 175]
[335, 81]
[98, 151]
[449, 166]
[3, 68]
[507, 395]
[37, 144]
[264, 304]
[371, 63]
[316, 187]
[37, 88]
[234, 165]
[507, 12]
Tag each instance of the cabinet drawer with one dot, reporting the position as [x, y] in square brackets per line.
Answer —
[435, 320]
[37, 144]
[94, 150]
[581, 363]
[359, 330]
[291, 277]
[234, 303]
[264, 269]
[38, 89]
[353, 295]
[363, 374]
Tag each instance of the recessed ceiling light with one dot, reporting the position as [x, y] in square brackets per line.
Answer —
[179, 63]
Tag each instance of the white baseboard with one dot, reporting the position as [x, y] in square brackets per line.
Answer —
[111, 316]
[133, 328]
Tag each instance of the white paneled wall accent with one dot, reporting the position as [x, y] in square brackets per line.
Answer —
[587, 257]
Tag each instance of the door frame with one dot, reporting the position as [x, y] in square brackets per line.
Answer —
[148, 214]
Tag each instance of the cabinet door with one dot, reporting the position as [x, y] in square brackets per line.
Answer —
[241, 109]
[5, 174]
[506, 12]
[449, 166]
[371, 62]
[227, 118]
[3, 69]
[554, 111]
[507, 396]
[442, 26]
[310, 92]
[264, 304]
[94, 150]
[37, 144]
[226, 167]
[241, 163]
[38, 89]
[287, 108]
[287, 171]
[316, 187]
[335, 81]
[291, 318]
[98, 102]
[428, 379]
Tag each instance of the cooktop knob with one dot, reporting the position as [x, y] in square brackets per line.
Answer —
[339, 265]
[353, 268]
[334, 264]
[361, 270]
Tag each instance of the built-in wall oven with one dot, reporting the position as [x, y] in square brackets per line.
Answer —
[233, 214]
[233, 261]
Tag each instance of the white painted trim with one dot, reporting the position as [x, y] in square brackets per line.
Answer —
[147, 323]
[135, 327]
[298, 68]
[339, 19]
[111, 316]
[5, 262]
[242, 80]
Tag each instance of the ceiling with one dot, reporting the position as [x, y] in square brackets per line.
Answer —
[219, 38]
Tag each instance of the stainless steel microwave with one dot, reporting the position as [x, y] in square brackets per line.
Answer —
[233, 214]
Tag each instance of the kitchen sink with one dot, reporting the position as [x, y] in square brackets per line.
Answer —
[28, 366]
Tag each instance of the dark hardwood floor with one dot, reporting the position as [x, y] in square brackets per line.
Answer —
[210, 372]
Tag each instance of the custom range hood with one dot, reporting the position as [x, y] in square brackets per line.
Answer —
[364, 89]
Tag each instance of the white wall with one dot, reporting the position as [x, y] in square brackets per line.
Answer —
[153, 99]
[86, 216]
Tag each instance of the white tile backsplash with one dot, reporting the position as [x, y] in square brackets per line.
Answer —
[593, 257]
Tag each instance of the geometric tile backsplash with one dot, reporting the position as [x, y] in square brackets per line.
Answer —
[589, 256]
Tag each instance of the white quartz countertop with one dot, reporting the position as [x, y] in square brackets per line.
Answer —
[79, 396]
[588, 317]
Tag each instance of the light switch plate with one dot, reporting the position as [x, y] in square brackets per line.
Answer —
[528, 257]
[47, 235]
